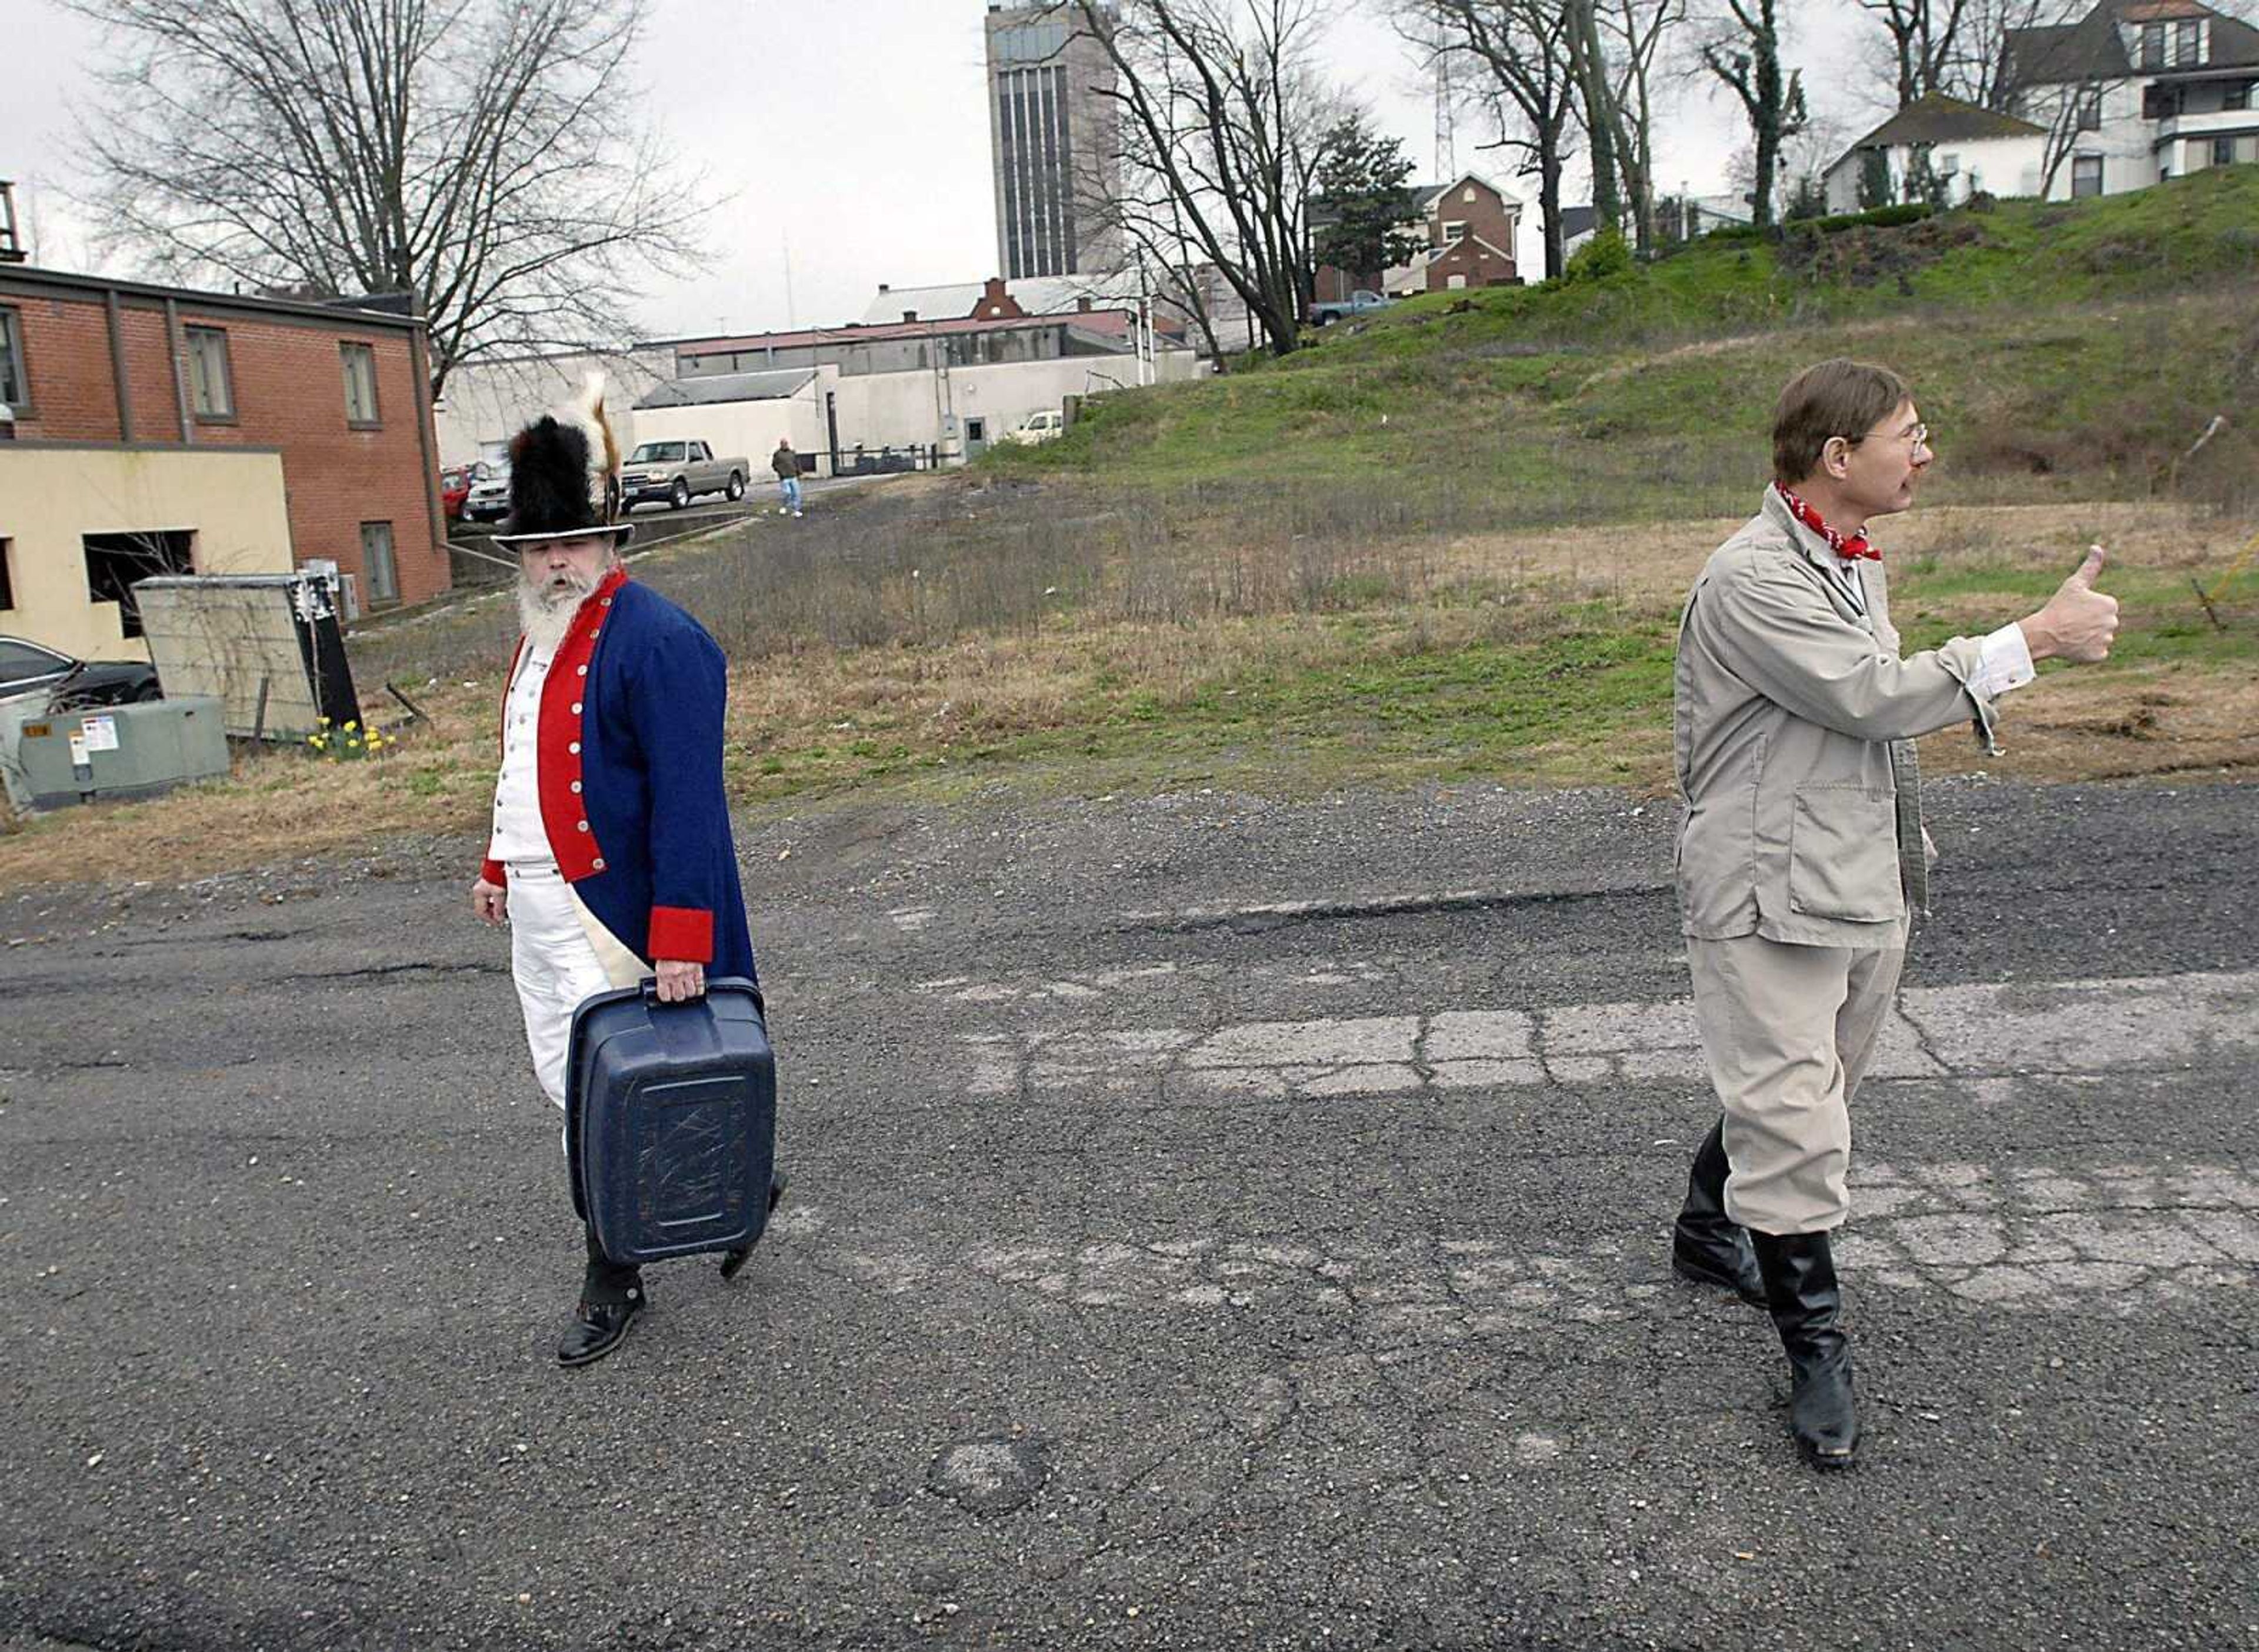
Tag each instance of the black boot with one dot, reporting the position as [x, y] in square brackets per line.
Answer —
[611, 1296]
[1801, 1289]
[1708, 1246]
[733, 1260]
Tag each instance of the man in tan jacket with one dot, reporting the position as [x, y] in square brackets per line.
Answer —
[1801, 855]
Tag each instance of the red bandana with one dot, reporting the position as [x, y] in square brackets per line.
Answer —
[1849, 549]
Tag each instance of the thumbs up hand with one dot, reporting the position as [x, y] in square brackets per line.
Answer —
[2078, 623]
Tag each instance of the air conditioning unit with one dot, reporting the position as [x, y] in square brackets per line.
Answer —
[117, 751]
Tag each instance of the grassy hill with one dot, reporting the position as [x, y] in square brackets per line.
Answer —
[2060, 350]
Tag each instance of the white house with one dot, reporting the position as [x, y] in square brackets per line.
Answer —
[2135, 92]
[1965, 148]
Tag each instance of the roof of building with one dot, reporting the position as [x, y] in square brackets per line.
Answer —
[388, 310]
[2093, 49]
[1437, 254]
[1431, 193]
[1108, 324]
[1038, 294]
[1939, 119]
[707, 389]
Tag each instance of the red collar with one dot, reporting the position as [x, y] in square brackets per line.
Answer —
[1850, 549]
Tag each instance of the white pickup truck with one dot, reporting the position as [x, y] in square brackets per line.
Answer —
[677, 472]
[1047, 426]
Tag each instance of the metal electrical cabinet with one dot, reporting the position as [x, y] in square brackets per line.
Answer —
[120, 751]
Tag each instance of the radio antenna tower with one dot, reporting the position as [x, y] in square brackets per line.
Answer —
[1446, 161]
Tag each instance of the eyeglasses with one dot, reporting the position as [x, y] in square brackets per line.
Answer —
[1918, 436]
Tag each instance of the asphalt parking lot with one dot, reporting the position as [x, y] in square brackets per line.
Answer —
[1215, 1222]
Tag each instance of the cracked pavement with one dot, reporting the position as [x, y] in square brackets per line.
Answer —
[1214, 1222]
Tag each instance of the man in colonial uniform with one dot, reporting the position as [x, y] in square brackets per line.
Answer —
[1801, 856]
[610, 857]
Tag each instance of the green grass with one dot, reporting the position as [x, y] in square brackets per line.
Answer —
[2060, 350]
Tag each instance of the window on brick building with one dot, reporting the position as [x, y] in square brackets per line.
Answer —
[15, 385]
[212, 386]
[360, 383]
[379, 572]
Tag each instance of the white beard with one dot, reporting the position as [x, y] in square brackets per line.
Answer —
[546, 615]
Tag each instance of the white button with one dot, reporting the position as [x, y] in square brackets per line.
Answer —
[598, 863]
[576, 708]
[574, 748]
[583, 826]
[576, 786]
[607, 603]
[584, 671]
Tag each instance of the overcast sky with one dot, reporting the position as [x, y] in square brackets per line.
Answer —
[854, 134]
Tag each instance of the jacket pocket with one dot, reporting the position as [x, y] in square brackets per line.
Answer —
[1843, 854]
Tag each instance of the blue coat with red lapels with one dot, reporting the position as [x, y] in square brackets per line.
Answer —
[630, 743]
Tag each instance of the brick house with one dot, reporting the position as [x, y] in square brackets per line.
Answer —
[340, 393]
[1467, 229]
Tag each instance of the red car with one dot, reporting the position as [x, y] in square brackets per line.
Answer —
[454, 488]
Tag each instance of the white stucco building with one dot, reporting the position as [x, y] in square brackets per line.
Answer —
[2135, 92]
[1965, 148]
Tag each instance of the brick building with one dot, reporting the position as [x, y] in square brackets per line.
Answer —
[1467, 229]
[340, 393]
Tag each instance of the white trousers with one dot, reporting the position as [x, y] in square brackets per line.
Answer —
[555, 959]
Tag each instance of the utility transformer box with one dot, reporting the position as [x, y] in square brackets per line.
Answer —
[123, 751]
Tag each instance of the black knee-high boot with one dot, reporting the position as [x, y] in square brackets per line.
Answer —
[1707, 1246]
[611, 1296]
[1801, 1289]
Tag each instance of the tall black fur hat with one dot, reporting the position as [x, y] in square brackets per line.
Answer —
[564, 475]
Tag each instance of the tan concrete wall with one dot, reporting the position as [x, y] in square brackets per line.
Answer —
[233, 501]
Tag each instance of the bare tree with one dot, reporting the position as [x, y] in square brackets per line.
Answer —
[2069, 108]
[474, 154]
[1523, 48]
[1224, 117]
[1745, 53]
[1977, 69]
[1588, 67]
[1925, 41]
[1633, 31]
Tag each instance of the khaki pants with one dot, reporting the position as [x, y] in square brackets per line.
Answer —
[1787, 1032]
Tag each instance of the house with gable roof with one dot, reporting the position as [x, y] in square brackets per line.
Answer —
[2134, 92]
[1964, 148]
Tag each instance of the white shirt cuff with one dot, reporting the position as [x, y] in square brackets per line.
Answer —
[2005, 662]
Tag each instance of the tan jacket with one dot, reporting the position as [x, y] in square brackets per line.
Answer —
[1786, 702]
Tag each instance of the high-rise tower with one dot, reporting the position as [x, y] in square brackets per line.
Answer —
[1050, 130]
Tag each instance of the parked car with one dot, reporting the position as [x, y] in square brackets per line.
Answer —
[1357, 303]
[489, 499]
[677, 472]
[454, 490]
[27, 667]
[1047, 426]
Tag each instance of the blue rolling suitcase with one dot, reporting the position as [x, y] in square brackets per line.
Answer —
[670, 1120]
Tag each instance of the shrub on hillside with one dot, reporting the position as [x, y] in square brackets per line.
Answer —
[1608, 254]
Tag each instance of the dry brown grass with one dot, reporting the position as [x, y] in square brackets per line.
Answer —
[920, 711]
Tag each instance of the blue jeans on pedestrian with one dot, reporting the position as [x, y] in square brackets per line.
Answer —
[789, 487]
